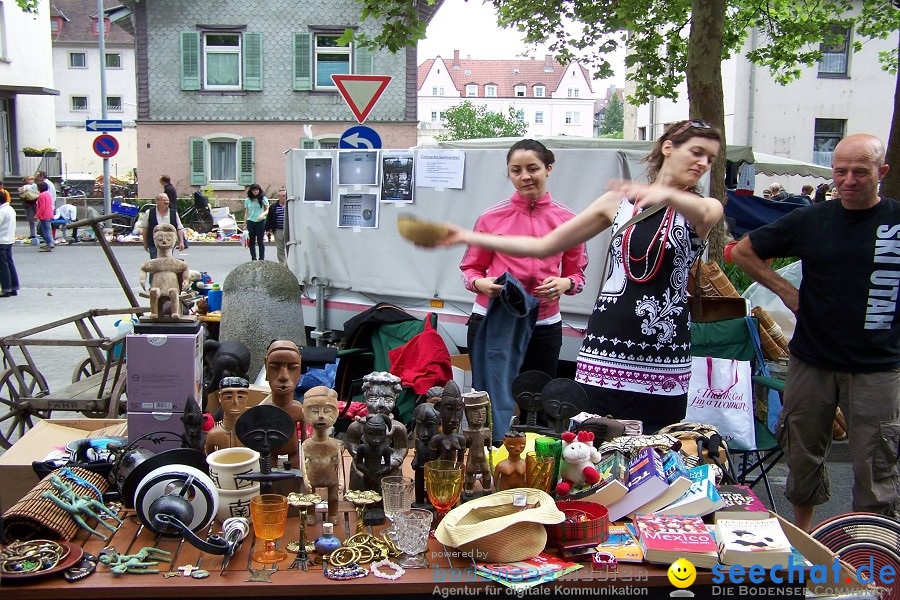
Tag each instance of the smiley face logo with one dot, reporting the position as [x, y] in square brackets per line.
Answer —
[682, 573]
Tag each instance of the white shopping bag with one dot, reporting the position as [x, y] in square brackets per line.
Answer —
[721, 394]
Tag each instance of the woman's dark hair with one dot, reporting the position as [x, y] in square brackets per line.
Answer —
[535, 146]
[678, 133]
[259, 198]
[42, 186]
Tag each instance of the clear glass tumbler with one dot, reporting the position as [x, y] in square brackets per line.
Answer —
[411, 528]
[397, 494]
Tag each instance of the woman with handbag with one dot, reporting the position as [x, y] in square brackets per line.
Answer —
[256, 206]
[635, 359]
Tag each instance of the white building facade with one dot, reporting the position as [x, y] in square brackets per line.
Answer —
[26, 84]
[553, 99]
[76, 65]
[845, 93]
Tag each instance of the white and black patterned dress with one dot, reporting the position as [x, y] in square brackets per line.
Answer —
[635, 360]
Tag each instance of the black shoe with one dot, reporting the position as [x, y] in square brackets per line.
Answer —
[5, 294]
[14, 293]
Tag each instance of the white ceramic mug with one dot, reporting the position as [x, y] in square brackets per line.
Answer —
[226, 464]
[236, 503]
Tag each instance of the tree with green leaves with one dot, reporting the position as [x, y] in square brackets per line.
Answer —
[613, 118]
[28, 6]
[466, 121]
[668, 41]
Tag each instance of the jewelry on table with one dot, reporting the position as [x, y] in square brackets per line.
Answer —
[31, 556]
[376, 570]
[350, 571]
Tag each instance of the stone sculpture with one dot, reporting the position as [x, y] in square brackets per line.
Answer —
[381, 389]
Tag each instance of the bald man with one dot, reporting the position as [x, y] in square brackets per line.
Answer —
[846, 347]
[163, 213]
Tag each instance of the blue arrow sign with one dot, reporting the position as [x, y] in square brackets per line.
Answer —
[105, 146]
[360, 137]
[103, 125]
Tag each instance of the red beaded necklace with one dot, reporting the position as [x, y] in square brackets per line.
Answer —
[657, 244]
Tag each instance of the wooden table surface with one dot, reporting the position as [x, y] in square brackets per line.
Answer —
[447, 571]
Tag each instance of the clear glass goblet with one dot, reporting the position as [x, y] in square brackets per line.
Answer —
[410, 530]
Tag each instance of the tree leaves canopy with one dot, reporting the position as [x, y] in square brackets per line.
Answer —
[466, 121]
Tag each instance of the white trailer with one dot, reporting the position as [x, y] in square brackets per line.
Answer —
[346, 270]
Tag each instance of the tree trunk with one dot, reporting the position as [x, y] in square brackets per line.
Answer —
[890, 185]
[705, 95]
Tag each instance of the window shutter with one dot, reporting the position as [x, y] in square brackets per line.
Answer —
[245, 161]
[308, 144]
[198, 161]
[302, 61]
[364, 61]
[253, 62]
[190, 60]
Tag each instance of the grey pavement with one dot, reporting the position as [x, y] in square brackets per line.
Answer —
[77, 278]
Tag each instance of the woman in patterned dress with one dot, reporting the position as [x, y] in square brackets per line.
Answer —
[635, 360]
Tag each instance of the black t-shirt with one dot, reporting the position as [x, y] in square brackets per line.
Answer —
[848, 317]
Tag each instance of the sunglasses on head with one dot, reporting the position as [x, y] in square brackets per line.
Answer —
[695, 123]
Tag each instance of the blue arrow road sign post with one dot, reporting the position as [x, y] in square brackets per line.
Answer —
[360, 137]
[103, 125]
[105, 146]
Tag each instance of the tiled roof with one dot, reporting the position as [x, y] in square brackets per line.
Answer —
[79, 26]
[502, 73]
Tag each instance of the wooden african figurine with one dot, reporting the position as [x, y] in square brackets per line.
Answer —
[321, 453]
[373, 456]
[233, 400]
[477, 437]
[283, 374]
[381, 389]
[449, 444]
[510, 472]
[169, 275]
[427, 420]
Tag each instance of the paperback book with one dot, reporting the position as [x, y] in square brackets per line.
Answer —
[748, 542]
[740, 502]
[701, 499]
[613, 469]
[528, 573]
[676, 477]
[622, 545]
[646, 482]
[666, 538]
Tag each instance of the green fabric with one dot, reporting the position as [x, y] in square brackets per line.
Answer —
[772, 383]
[728, 338]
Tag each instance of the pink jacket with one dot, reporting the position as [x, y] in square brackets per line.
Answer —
[520, 216]
[44, 209]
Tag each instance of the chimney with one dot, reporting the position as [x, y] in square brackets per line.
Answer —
[548, 63]
[455, 64]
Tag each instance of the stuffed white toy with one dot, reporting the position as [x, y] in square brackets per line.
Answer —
[579, 457]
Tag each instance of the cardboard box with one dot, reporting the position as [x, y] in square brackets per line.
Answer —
[142, 423]
[163, 371]
[46, 436]
[462, 371]
[255, 395]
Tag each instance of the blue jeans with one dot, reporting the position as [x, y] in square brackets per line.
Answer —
[256, 230]
[500, 347]
[46, 232]
[9, 279]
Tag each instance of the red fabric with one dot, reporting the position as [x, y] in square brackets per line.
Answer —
[423, 362]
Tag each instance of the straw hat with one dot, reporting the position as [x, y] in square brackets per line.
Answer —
[493, 530]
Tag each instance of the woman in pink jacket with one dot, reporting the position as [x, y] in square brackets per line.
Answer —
[44, 214]
[529, 211]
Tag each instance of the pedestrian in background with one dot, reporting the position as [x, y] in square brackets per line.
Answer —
[255, 206]
[169, 190]
[44, 215]
[162, 213]
[42, 176]
[9, 279]
[28, 194]
[276, 223]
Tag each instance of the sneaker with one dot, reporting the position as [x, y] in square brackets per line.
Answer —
[45, 249]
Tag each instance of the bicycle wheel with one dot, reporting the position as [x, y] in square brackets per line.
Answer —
[201, 220]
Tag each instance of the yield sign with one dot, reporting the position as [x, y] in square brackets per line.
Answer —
[361, 92]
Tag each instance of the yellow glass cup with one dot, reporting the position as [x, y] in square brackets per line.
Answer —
[269, 515]
[443, 484]
[539, 471]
